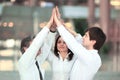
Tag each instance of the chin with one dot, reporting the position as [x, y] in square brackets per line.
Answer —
[84, 45]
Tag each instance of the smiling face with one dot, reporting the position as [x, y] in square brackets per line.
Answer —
[61, 49]
[61, 45]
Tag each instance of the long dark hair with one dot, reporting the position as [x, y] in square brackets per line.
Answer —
[56, 50]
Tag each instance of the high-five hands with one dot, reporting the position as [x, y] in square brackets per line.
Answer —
[58, 21]
[55, 20]
[50, 22]
[57, 17]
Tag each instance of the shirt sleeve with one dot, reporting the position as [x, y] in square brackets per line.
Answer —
[28, 58]
[79, 38]
[81, 52]
[47, 47]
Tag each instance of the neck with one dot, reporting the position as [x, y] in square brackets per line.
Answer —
[63, 54]
[90, 48]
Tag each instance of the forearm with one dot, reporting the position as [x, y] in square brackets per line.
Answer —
[79, 38]
[73, 45]
[46, 49]
[30, 54]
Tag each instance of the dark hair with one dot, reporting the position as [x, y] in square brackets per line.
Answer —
[26, 43]
[98, 35]
[56, 50]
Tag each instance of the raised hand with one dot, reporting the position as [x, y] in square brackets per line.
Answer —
[50, 22]
[53, 26]
[59, 21]
[58, 13]
[56, 17]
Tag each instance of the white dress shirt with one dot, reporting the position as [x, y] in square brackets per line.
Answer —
[88, 61]
[26, 64]
[60, 68]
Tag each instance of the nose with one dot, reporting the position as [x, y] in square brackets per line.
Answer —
[62, 43]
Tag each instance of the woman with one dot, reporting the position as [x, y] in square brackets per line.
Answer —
[61, 61]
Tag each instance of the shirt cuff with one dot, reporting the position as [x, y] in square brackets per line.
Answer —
[46, 28]
[60, 27]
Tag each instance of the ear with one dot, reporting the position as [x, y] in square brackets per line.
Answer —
[93, 42]
[24, 48]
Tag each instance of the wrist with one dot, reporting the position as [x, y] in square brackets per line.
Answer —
[59, 24]
[52, 31]
[48, 25]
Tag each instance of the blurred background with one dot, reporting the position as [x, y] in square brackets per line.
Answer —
[20, 18]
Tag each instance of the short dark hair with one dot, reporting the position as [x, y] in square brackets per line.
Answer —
[98, 35]
[26, 42]
[56, 50]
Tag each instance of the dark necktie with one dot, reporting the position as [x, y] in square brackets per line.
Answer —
[40, 74]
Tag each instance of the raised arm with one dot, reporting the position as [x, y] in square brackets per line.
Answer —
[77, 36]
[30, 54]
[46, 49]
[81, 52]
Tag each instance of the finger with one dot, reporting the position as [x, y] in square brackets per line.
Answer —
[57, 12]
[55, 16]
[50, 22]
[52, 13]
[51, 18]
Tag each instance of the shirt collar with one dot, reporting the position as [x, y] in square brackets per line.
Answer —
[94, 51]
[66, 58]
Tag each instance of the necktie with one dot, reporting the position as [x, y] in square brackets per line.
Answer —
[40, 74]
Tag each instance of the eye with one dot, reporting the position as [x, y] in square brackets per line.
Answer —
[59, 42]
[86, 35]
[64, 42]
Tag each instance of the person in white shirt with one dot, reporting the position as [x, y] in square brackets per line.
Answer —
[88, 60]
[35, 50]
[61, 60]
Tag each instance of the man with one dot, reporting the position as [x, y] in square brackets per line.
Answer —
[34, 53]
[88, 60]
